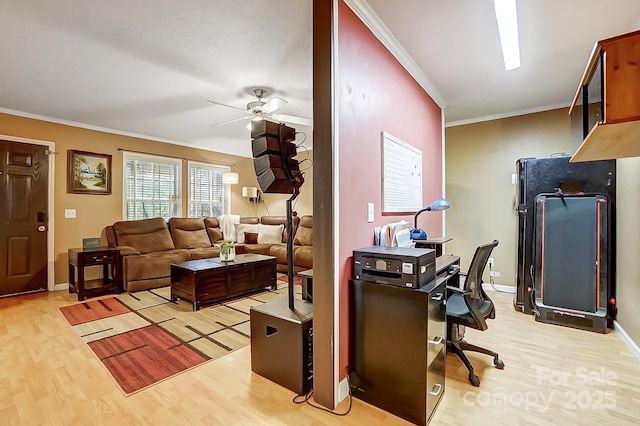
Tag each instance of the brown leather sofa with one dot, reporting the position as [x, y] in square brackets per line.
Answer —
[149, 246]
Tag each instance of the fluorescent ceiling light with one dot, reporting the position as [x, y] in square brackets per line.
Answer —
[508, 27]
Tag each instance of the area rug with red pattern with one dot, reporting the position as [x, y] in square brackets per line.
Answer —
[143, 338]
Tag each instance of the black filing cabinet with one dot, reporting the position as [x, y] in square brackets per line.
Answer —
[397, 347]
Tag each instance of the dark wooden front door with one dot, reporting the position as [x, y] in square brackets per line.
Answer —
[24, 171]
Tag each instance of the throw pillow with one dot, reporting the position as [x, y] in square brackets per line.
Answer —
[270, 234]
[241, 228]
[251, 238]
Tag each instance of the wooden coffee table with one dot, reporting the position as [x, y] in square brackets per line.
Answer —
[210, 280]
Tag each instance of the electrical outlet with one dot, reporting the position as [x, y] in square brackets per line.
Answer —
[491, 262]
[494, 274]
[70, 213]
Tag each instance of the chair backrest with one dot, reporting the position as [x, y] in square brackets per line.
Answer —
[473, 280]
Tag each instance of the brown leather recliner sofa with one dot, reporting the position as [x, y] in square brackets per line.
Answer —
[149, 246]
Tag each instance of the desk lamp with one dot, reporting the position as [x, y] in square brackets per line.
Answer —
[437, 205]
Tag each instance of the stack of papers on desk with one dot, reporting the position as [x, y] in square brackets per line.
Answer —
[395, 234]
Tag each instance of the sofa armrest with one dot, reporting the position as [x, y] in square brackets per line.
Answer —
[128, 250]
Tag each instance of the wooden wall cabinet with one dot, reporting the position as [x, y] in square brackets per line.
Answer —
[605, 111]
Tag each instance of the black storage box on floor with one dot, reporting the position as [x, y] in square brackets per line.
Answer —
[282, 343]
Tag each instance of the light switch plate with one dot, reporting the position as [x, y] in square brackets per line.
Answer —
[370, 212]
[70, 213]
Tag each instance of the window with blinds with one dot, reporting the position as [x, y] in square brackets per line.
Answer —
[151, 186]
[208, 196]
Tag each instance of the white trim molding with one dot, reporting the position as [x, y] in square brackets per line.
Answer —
[499, 287]
[633, 346]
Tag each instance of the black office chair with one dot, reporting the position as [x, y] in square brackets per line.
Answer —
[469, 306]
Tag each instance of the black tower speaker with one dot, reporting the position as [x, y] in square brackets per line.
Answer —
[282, 343]
[273, 151]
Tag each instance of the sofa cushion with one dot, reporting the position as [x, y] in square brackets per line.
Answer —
[145, 235]
[303, 257]
[257, 249]
[250, 219]
[304, 234]
[280, 253]
[241, 228]
[204, 252]
[189, 232]
[270, 234]
[153, 265]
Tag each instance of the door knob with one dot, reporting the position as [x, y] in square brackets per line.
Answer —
[41, 228]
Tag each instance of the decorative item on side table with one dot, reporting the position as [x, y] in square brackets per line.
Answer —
[437, 205]
[227, 251]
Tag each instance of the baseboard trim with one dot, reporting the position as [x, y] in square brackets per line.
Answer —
[499, 287]
[61, 286]
[343, 390]
[633, 347]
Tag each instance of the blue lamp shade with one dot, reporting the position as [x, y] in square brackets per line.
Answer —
[438, 205]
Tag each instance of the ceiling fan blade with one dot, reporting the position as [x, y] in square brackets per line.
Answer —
[228, 106]
[294, 119]
[273, 105]
[232, 121]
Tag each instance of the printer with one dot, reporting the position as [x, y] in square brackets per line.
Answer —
[399, 266]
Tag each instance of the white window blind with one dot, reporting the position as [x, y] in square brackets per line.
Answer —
[208, 196]
[152, 186]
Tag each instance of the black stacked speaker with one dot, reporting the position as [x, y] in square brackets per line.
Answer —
[273, 151]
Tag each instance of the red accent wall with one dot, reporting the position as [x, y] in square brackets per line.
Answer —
[374, 94]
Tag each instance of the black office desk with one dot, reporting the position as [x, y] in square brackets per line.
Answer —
[397, 343]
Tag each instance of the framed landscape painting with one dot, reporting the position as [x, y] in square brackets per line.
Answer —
[88, 173]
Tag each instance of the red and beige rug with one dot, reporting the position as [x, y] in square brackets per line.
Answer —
[143, 338]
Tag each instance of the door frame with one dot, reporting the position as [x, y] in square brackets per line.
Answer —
[50, 193]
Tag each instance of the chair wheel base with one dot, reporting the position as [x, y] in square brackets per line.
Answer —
[474, 380]
[498, 363]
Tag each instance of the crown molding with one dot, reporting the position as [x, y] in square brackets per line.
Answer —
[366, 14]
[105, 130]
[506, 115]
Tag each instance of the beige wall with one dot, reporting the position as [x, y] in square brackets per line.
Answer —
[94, 212]
[480, 159]
[628, 246]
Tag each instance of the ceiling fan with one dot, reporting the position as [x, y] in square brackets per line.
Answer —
[260, 110]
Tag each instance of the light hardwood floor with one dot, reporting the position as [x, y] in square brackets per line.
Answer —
[553, 376]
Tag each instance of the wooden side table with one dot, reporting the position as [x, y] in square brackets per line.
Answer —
[110, 282]
[307, 284]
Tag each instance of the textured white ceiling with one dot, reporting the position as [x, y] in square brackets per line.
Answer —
[147, 67]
